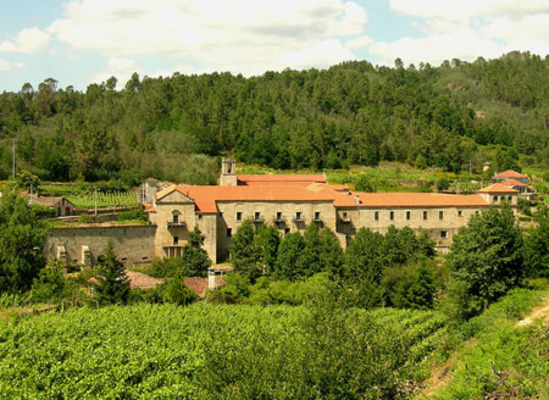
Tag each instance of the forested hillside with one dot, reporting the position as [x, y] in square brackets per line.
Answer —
[453, 116]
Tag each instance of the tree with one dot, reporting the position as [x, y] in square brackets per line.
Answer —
[288, 263]
[363, 259]
[22, 238]
[176, 291]
[245, 253]
[486, 260]
[409, 286]
[331, 254]
[310, 258]
[536, 248]
[267, 240]
[363, 184]
[195, 260]
[113, 285]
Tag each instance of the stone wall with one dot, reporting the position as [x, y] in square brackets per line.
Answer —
[133, 244]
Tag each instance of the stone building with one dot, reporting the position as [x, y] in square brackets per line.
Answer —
[291, 202]
[61, 206]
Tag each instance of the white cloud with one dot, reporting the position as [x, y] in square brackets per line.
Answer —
[321, 55]
[238, 35]
[359, 42]
[466, 29]
[8, 66]
[464, 44]
[28, 41]
[463, 10]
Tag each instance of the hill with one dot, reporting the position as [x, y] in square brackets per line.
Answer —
[455, 116]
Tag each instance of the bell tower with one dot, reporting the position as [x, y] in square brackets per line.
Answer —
[228, 172]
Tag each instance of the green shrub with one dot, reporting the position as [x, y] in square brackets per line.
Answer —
[133, 215]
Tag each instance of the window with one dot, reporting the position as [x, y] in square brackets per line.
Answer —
[376, 215]
[229, 232]
[495, 198]
[199, 217]
[176, 218]
[441, 215]
[408, 215]
[220, 215]
[425, 215]
[298, 216]
[317, 215]
[286, 231]
[443, 234]
[391, 215]
[476, 212]
[510, 198]
[344, 215]
[278, 216]
[176, 240]
[238, 216]
[257, 216]
[460, 213]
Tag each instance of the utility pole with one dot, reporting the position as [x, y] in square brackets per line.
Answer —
[95, 202]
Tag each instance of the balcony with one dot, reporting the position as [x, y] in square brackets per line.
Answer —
[177, 224]
[173, 251]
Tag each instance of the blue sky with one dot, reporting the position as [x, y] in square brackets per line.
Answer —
[79, 42]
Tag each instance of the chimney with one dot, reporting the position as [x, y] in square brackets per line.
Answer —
[211, 278]
[357, 199]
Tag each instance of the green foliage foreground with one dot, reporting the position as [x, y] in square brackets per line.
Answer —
[202, 352]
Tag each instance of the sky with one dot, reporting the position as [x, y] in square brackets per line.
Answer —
[79, 42]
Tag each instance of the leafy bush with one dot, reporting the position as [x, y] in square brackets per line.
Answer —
[133, 215]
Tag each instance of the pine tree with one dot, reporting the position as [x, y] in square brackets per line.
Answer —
[267, 240]
[194, 259]
[310, 257]
[245, 253]
[331, 254]
[363, 258]
[113, 285]
[288, 263]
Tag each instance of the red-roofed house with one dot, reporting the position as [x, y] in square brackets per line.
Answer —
[517, 181]
[510, 174]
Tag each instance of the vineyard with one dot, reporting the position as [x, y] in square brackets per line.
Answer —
[201, 352]
[114, 199]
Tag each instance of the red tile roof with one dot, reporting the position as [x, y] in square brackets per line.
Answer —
[205, 197]
[513, 182]
[142, 281]
[280, 179]
[200, 285]
[510, 174]
[498, 188]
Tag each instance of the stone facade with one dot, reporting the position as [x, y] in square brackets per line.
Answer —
[82, 244]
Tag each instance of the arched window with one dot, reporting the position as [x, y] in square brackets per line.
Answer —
[175, 216]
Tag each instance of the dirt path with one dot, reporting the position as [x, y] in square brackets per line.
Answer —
[540, 312]
[443, 376]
